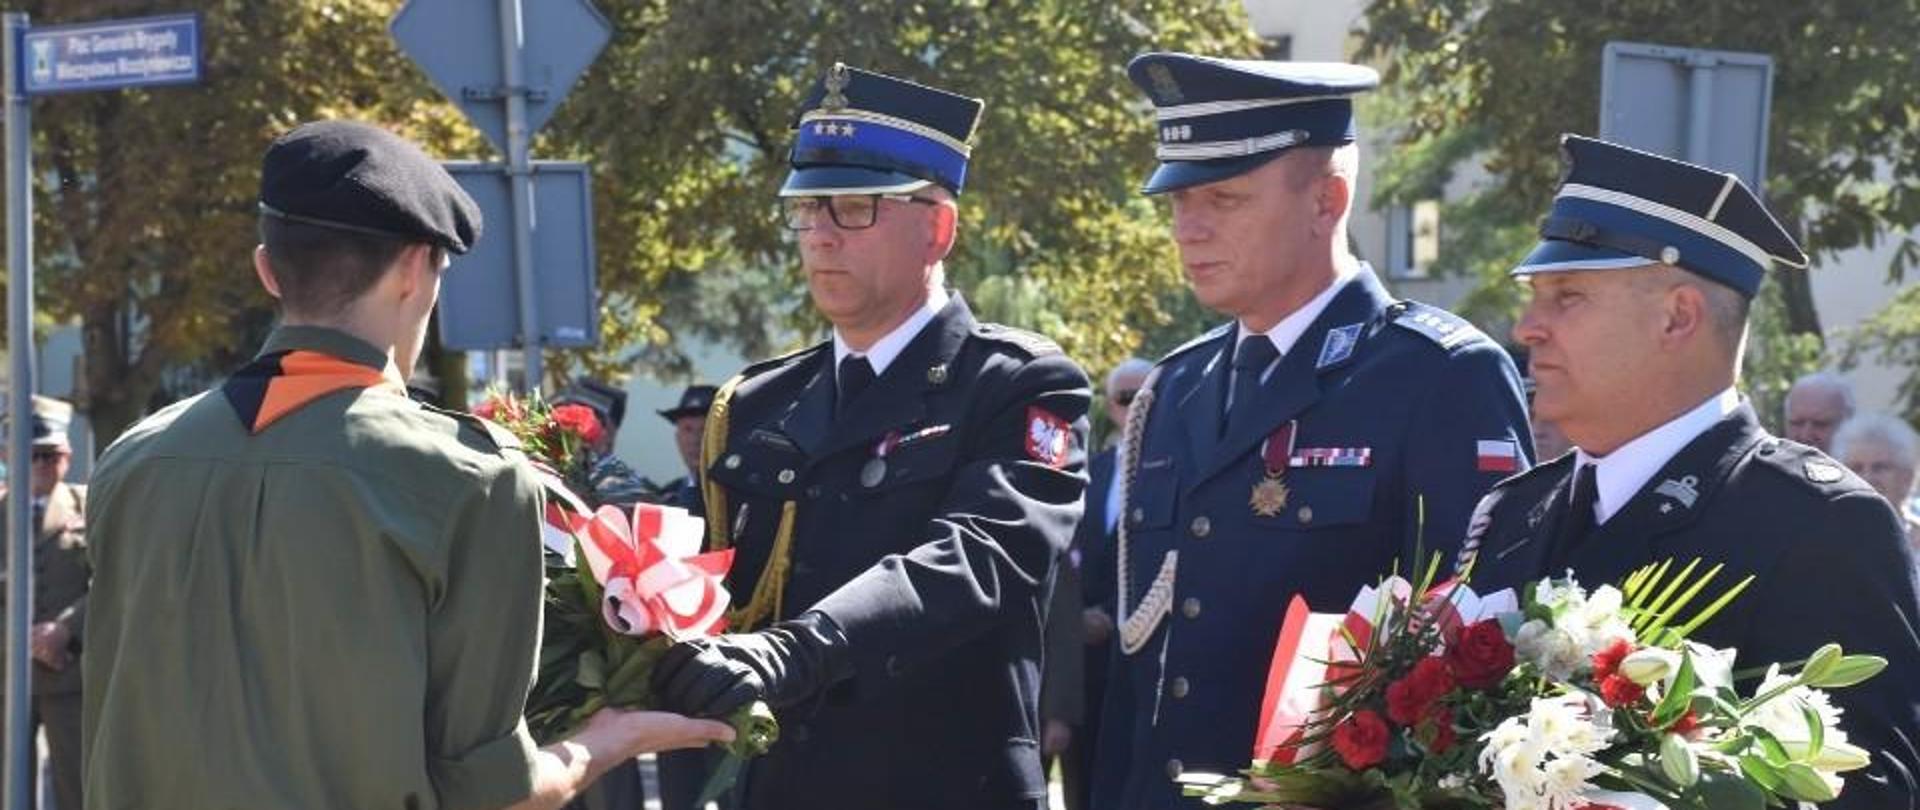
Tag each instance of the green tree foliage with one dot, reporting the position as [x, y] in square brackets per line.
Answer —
[1496, 83]
[145, 199]
[687, 115]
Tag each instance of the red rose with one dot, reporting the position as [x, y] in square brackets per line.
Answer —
[1361, 740]
[1617, 691]
[1607, 662]
[1481, 656]
[578, 420]
[1411, 698]
[1437, 730]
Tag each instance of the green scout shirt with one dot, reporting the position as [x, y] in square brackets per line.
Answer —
[339, 611]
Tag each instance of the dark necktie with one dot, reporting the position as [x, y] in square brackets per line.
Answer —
[855, 375]
[1250, 360]
[1578, 520]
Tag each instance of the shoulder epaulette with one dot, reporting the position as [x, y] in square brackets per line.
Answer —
[500, 436]
[1204, 338]
[1033, 343]
[1549, 467]
[782, 361]
[1799, 461]
[1436, 324]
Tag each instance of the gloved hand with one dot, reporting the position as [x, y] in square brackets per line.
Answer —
[784, 665]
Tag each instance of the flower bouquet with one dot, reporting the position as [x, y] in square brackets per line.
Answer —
[645, 586]
[1426, 695]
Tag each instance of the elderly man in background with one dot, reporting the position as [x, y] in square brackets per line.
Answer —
[1882, 449]
[1816, 405]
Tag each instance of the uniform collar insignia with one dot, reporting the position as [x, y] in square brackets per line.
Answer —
[1684, 490]
[1338, 345]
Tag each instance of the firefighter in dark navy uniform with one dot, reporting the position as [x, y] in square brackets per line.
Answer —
[897, 496]
[1641, 288]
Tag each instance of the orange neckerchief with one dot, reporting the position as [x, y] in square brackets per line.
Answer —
[278, 384]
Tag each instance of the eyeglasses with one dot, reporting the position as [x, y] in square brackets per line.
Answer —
[1124, 398]
[849, 212]
[44, 456]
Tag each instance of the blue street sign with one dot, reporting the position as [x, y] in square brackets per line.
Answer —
[479, 301]
[111, 53]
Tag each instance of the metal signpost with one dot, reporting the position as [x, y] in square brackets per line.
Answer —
[101, 55]
[1701, 106]
[508, 93]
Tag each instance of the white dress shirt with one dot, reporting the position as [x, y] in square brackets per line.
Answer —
[1620, 474]
[883, 351]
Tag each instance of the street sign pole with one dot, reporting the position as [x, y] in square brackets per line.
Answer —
[520, 175]
[19, 748]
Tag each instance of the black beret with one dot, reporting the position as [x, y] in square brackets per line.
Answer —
[358, 177]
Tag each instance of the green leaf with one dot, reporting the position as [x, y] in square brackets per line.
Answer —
[1816, 730]
[592, 673]
[1721, 790]
[1761, 772]
[1679, 696]
[1799, 781]
[1850, 670]
[1820, 663]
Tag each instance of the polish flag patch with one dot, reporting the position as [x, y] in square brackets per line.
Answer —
[1498, 455]
[1049, 438]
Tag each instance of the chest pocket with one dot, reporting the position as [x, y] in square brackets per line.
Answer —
[912, 463]
[757, 468]
[1150, 501]
[1323, 498]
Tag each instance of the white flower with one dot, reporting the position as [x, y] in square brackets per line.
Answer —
[1553, 650]
[1543, 760]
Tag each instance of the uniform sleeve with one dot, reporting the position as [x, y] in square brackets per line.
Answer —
[1096, 546]
[482, 645]
[1469, 433]
[1849, 582]
[1063, 680]
[1005, 520]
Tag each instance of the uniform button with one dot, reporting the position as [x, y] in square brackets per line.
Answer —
[1139, 515]
[1178, 688]
[1190, 608]
[786, 476]
[1201, 526]
[1174, 768]
[813, 492]
[1306, 514]
[894, 668]
[733, 462]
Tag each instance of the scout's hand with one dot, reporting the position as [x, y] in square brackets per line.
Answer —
[783, 665]
[1097, 625]
[646, 732]
[1055, 738]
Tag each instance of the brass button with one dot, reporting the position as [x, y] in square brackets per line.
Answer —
[733, 462]
[1174, 768]
[1190, 607]
[1306, 514]
[1178, 688]
[786, 476]
[1201, 526]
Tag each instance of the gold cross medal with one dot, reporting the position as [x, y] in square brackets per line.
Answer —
[1270, 493]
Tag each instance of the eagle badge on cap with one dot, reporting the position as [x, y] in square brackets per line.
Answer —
[1164, 86]
[837, 80]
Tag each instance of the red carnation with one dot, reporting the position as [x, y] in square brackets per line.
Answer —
[1687, 724]
[1481, 656]
[1617, 691]
[1607, 662]
[1411, 698]
[578, 420]
[1361, 740]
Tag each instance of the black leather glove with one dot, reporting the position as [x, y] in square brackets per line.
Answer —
[784, 665]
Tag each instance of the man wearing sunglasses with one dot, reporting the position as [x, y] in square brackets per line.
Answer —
[897, 495]
[60, 579]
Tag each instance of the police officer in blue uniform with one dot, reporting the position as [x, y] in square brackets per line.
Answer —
[1641, 287]
[897, 495]
[1304, 447]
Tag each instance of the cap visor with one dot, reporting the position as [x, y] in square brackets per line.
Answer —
[1174, 175]
[1555, 256]
[807, 181]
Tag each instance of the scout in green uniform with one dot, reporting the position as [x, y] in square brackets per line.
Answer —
[312, 592]
[60, 576]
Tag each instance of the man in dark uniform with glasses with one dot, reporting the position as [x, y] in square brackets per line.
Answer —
[897, 495]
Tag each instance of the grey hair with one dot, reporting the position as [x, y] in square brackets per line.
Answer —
[1827, 381]
[1887, 429]
[1132, 366]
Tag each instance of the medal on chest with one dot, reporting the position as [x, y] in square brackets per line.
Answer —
[875, 470]
[1270, 493]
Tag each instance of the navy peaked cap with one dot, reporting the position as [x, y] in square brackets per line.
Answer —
[1621, 208]
[357, 177]
[861, 132]
[1219, 118]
